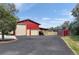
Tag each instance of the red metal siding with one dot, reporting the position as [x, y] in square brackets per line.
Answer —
[66, 32]
[30, 25]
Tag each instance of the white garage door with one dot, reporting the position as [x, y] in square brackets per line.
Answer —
[21, 29]
[34, 32]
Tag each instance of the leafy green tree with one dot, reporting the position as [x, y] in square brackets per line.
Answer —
[75, 11]
[65, 24]
[9, 7]
[7, 21]
[74, 26]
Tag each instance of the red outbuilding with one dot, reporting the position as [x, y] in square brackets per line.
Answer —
[63, 32]
[66, 32]
[32, 28]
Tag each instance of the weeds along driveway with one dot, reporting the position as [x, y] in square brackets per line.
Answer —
[36, 45]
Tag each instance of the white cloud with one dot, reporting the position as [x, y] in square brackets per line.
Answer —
[53, 22]
[21, 8]
[46, 18]
[18, 5]
[58, 19]
[29, 6]
[66, 12]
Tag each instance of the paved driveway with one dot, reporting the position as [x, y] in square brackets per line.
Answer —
[36, 45]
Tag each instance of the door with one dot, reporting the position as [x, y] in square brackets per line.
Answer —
[20, 30]
[34, 32]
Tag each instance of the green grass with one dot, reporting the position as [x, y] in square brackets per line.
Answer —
[75, 38]
[72, 42]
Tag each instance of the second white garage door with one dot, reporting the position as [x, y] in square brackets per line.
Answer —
[34, 32]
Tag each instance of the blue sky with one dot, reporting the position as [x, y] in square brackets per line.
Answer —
[47, 14]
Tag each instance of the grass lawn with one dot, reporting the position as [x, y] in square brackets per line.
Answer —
[73, 43]
[75, 38]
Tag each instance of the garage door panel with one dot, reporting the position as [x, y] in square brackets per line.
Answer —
[21, 30]
[34, 32]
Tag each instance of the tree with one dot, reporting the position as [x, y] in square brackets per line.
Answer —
[7, 21]
[75, 11]
[65, 25]
[74, 26]
[9, 7]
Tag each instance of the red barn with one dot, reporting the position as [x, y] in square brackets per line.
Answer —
[27, 27]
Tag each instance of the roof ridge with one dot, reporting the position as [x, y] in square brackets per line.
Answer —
[28, 20]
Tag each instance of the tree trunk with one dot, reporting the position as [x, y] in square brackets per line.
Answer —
[13, 32]
[2, 35]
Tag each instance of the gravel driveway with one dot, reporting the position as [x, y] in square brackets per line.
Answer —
[36, 45]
